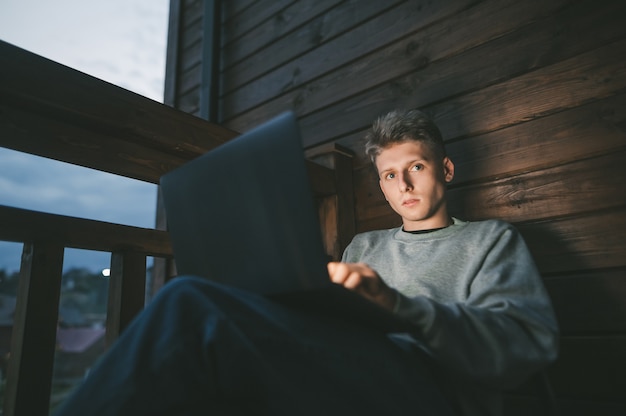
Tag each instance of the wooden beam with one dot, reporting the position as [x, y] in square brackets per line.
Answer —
[22, 225]
[95, 116]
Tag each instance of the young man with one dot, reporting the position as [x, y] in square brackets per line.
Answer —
[481, 319]
[471, 288]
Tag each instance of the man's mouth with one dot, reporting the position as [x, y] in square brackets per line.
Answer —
[410, 202]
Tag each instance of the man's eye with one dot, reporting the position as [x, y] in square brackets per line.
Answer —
[417, 167]
[390, 176]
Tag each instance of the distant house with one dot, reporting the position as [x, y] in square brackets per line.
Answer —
[77, 350]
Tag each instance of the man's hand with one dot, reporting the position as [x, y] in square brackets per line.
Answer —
[363, 280]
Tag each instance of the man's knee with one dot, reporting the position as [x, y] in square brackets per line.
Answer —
[182, 291]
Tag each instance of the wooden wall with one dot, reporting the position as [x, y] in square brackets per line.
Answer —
[530, 97]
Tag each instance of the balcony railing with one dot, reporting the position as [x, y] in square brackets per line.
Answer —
[53, 111]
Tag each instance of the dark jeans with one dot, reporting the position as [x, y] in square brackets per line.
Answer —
[204, 348]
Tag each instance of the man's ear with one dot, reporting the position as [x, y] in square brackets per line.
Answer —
[448, 169]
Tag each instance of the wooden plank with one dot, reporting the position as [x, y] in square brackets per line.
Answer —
[323, 31]
[280, 25]
[246, 19]
[548, 141]
[233, 7]
[590, 302]
[191, 16]
[408, 17]
[127, 289]
[192, 54]
[22, 226]
[30, 132]
[574, 188]
[88, 101]
[573, 82]
[556, 139]
[190, 38]
[189, 59]
[190, 79]
[428, 57]
[34, 334]
[190, 101]
[69, 97]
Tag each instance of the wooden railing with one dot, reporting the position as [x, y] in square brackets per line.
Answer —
[45, 236]
[50, 110]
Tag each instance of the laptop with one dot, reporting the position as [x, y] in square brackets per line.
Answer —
[243, 214]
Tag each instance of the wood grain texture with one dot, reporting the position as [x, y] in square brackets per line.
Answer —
[248, 16]
[422, 62]
[564, 85]
[308, 37]
[379, 32]
[285, 23]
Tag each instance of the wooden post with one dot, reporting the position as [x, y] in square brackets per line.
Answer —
[29, 377]
[336, 210]
[126, 292]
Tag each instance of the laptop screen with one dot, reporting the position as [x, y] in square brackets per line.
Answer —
[243, 213]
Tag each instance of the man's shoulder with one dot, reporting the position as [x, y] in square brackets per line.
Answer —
[374, 235]
[489, 224]
[493, 228]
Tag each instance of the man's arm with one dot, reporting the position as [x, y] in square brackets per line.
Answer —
[502, 332]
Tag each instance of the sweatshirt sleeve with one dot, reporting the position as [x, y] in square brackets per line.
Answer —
[505, 330]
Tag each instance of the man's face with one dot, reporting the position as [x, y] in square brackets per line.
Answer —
[414, 183]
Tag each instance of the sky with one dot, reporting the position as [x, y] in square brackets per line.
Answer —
[120, 41]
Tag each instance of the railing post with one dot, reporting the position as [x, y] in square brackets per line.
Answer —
[29, 377]
[127, 290]
[336, 211]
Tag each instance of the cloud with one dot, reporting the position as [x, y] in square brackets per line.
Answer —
[41, 184]
[120, 41]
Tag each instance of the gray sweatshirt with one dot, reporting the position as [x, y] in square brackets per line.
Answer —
[476, 299]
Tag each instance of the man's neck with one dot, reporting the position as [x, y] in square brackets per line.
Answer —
[427, 230]
[427, 226]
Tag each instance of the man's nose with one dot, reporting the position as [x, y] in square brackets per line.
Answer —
[405, 182]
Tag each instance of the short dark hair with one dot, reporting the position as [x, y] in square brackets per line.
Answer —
[399, 126]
